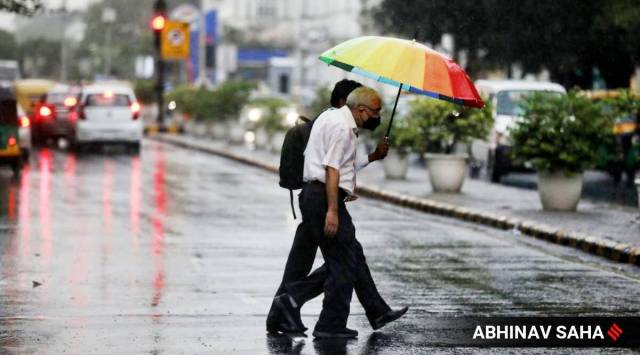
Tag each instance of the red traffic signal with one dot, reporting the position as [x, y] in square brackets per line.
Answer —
[158, 22]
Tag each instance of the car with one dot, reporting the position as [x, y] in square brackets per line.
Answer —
[505, 97]
[52, 114]
[24, 133]
[107, 113]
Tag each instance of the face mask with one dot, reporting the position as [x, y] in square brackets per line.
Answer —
[372, 123]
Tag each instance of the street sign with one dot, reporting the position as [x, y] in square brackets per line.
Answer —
[175, 41]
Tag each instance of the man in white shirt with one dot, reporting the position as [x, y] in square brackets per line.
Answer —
[330, 176]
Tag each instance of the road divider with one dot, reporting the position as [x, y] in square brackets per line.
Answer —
[619, 252]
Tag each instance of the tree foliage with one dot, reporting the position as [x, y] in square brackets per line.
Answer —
[8, 46]
[568, 38]
[442, 125]
[21, 7]
[130, 35]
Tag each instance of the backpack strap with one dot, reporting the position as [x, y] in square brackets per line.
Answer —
[293, 209]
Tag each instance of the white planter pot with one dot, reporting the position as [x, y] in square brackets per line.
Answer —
[262, 139]
[200, 129]
[219, 130]
[446, 171]
[559, 192]
[276, 142]
[395, 165]
[236, 133]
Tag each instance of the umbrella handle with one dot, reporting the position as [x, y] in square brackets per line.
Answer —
[393, 113]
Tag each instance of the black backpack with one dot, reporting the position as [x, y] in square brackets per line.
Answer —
[292, 157]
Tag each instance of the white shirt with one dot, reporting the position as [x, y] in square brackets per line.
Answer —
[333, 142]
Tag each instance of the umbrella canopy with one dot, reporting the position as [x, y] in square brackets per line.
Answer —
[406, 64]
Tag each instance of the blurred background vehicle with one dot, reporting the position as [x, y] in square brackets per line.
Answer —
[9, 71]
[107, 113]
[622, 153]
[505, 97]
[9, 136]
[29, 91]
[52, 114]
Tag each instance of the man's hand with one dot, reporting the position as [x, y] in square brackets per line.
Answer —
[381, 151]
[331, 224]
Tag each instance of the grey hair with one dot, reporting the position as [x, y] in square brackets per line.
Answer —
[362, 96]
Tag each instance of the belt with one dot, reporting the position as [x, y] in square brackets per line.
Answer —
[341, 192]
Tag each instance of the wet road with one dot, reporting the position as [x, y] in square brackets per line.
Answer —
[180, 252]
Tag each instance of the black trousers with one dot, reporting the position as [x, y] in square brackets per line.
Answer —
[345, 266]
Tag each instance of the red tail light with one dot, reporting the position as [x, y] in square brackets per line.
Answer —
[12, 141]
[135, 109]
[45, 112]
[24, 121]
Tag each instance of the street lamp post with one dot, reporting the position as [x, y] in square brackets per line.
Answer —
[108, 17]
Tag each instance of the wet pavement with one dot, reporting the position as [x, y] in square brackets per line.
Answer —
[599, 216]
[174, 251]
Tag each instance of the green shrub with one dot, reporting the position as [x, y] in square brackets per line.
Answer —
[404, 134]
[441, 125]
[273, 118]
[221, 104]
[145, 91]
[321, 102]
[560, 134]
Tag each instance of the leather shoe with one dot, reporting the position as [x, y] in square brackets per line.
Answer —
[335, 333]
[388, 318]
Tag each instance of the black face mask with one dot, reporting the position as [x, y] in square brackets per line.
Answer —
[372, 123]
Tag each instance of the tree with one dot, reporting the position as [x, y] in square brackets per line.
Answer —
[22, 7]
[40, 58]
[568, 38]
[8, 46]
[131, 35]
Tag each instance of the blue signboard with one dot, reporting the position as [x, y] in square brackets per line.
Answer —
[211, 28]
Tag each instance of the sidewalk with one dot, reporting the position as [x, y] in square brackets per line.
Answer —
[604, 229]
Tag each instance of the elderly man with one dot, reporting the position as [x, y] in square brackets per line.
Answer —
[329, 173]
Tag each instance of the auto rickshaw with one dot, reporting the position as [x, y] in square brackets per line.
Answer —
[10, 153]
[29, 92]
[622, 153]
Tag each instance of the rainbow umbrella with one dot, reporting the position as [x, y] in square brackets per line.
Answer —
[406, 64]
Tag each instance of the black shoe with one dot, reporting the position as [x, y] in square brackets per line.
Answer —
[290, 316]
[335, 333]
[273, 319]
[388, 318]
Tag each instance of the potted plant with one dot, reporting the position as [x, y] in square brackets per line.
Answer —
[272, 121]
[557, 135]
[443, 129]
[402, 139]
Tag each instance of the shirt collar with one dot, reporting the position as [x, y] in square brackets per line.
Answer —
[346, 111]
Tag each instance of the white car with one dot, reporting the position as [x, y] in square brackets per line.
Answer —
[506, 97]
[108, 113]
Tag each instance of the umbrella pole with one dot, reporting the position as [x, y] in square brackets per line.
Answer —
[393, 113]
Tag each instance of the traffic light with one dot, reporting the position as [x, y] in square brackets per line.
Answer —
[158, 20]
[157, 23]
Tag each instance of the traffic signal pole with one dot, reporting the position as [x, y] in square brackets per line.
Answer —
[157, 24]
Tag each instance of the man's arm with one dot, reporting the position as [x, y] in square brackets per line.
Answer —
[380, 153]
[332, 178]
